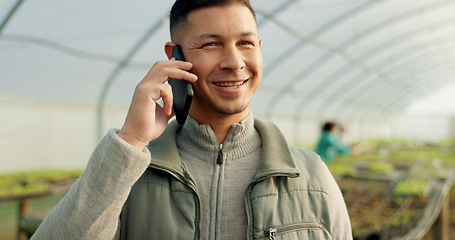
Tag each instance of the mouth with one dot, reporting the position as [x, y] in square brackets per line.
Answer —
[230, 84]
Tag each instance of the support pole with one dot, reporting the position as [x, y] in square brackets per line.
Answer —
[24, 208]
[441, 227]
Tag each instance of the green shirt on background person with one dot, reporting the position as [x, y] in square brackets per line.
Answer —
[329, 145]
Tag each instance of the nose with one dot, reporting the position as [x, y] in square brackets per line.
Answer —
[232, 59]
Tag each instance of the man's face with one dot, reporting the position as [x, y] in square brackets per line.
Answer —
[223, 46]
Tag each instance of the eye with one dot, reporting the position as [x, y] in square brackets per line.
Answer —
[210, 44]
[246, 44]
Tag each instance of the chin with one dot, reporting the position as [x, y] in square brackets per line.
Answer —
[229, 111]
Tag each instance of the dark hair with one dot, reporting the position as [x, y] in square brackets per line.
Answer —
[182, 8]
[328, 126]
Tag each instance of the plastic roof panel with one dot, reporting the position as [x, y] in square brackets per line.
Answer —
[324, 58]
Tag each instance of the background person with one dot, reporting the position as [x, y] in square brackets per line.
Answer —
[329, 145]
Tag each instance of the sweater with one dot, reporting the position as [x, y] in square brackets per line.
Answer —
[222, 174]
[92, 207]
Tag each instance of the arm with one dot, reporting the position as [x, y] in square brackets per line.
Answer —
[91, 209]
[338, 145]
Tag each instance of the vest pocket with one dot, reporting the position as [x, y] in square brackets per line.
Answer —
[297, 231]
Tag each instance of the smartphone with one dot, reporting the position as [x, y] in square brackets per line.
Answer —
[182, 91]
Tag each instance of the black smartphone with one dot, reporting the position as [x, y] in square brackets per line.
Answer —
[182, 91]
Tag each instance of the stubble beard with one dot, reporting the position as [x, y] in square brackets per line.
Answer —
[227, 111]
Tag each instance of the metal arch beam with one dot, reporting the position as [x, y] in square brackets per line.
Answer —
[289, 52]
[116, 71]
[346, 88]
[298, 113]
[277, 10]
[403, 100]
[80, 53]
[395, 99]
[326, 57]
[392, 110]
[363, 91]
[368, 32]
[396, 95]
[65, 49]
[415, 52]
[274, 100]
[379, 108]
[10, 15]
[385, 115]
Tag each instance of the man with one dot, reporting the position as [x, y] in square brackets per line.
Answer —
[223, 174]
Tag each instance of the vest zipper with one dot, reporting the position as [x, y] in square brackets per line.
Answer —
[219, 193]
[271, 232]
[219, 159]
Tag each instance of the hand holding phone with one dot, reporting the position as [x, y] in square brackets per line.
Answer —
[182, 91]
[147, 120]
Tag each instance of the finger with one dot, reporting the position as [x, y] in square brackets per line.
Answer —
[162, 69]
[159, 112]
[167, 97]
[184, 65]
[182, 75]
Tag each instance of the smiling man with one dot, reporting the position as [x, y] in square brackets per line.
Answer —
[227, 60]
[223, 174]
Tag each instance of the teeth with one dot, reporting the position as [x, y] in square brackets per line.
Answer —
[229, 84]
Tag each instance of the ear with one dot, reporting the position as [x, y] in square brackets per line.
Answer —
[168, 49]
[260, 42]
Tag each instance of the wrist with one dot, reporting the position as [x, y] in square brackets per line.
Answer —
[132, 140]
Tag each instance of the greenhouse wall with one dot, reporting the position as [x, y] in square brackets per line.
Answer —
[48, 135]
[425, 128]
[452, 127]
[41, 135]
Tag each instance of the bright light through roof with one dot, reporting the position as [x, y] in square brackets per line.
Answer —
[440, 102]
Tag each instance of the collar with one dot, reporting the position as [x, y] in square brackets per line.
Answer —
[200, 140]
[277, 159]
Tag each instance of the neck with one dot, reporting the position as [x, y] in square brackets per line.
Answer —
[220, 123]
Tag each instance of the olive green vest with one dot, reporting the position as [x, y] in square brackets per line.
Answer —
[287, 199]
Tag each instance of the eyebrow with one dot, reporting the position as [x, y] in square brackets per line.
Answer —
[212, 35]
[209, 35]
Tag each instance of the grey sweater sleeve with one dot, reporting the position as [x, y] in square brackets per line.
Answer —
[91, 209]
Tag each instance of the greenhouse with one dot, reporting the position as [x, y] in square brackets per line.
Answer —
[382, 70]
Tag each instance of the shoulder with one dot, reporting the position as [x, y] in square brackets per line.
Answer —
[266, 127]
[307, 157]
[309, 164]
[307, 161]
[311, 167]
